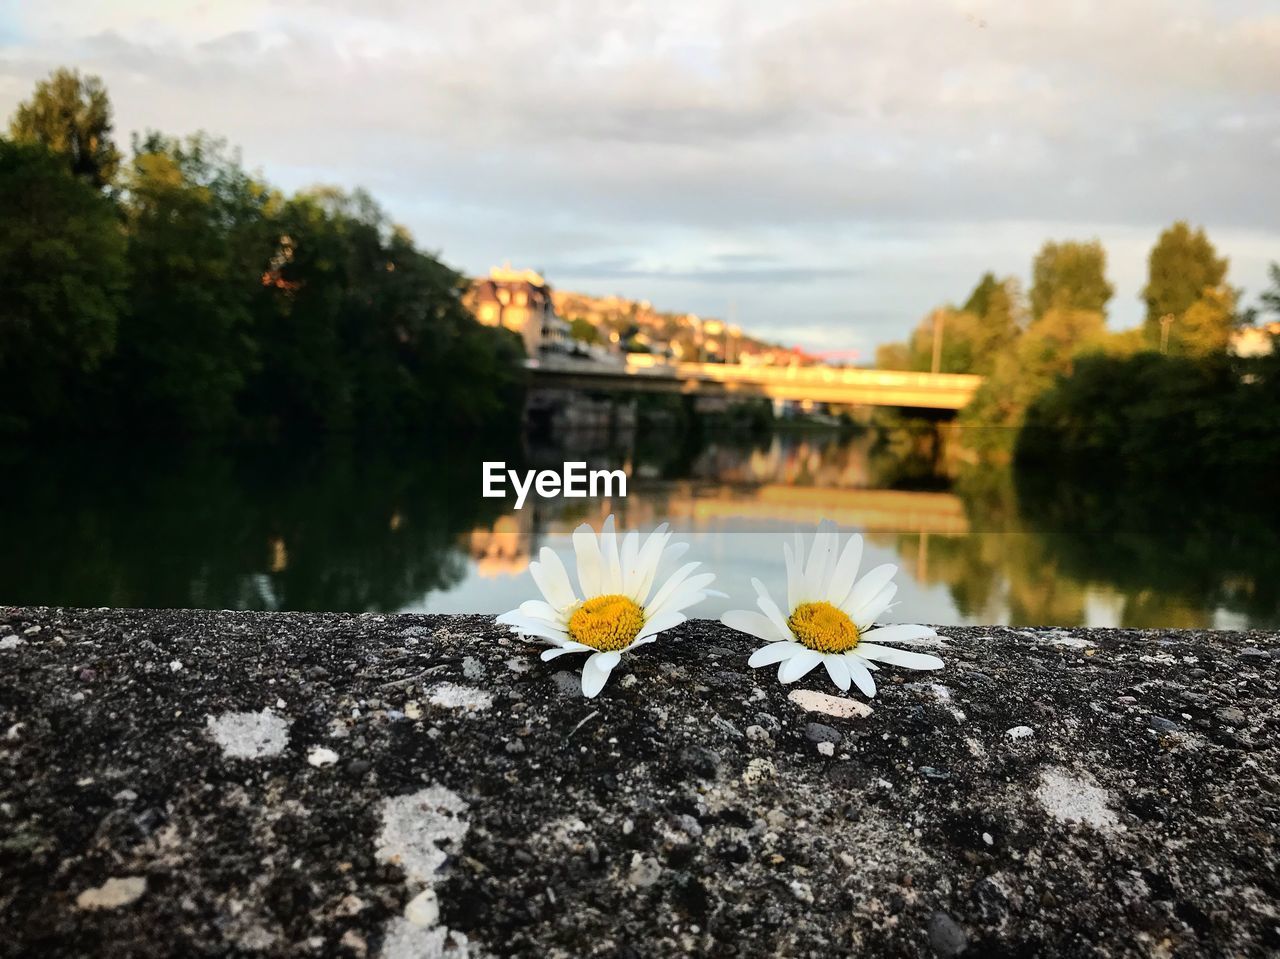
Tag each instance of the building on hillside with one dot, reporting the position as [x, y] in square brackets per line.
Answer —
[520, 300]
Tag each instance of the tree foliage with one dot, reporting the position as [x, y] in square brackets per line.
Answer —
[1183, 265]
[1124, 411]
[63, 276]
[196, 299]
[71, 116]
[198, 238]
[1070, 275]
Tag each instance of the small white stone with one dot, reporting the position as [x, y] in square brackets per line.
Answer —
[453, 696]
[1019, 732]
[827, 749]
[31, 630]
[320, 756]
[1074, 798]
[759, 770]
[986, 837]
[423, 909]
[175, 666]
[841, 706]
[413, 709]
[801, 890]
[249, 735]
[12, 642]
[113, 893]
[472, 668]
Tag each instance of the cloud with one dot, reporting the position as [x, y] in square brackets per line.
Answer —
[864, 160]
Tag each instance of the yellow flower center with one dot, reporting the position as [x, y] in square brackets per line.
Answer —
[607, 623]
[823, 627]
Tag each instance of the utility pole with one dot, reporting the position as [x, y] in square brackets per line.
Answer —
[938, 317]
[1166, 322]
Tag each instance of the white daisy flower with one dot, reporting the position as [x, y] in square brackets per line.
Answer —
[830, 617]
[618, 609]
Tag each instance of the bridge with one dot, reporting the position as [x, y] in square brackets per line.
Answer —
[643, 373]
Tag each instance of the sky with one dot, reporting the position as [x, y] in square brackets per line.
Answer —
[823, 173]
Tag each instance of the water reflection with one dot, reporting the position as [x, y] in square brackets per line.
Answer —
[341, 529]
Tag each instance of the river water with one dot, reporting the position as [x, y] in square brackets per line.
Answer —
[343, 529]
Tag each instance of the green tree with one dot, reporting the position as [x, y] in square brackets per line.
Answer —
[71, 115]
[62, 270]
[1070, 275]
[971, 337]
[360, 329]
[1047, 349]
[1205, 327]
[1183, 265]
[199, 243]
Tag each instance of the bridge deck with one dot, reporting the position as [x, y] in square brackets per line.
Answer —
[822, 384]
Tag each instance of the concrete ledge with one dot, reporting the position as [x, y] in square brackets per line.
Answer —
[202, 783]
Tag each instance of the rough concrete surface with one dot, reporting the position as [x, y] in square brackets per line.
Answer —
[203, 783]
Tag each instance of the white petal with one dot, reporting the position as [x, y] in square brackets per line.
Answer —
[629, 554]
[540, 609]
[815, 571]
[554, 651]
[595, 673]
[872, 609]
[753, 624]
[586, 547]
[799, 665]
[900, 634]
[845, 572]
[689, 593]
[770, 608]
[861, 674]
[532, 627]
[552, 579]
[866, 589]
[774, 653]
[648, 561]
[657, 624]
[612, 582]
[668, 589]
[795, 586]
[838, 670]
[899, 657]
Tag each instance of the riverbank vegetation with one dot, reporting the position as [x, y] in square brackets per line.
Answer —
[172, 291]
[1061, 390]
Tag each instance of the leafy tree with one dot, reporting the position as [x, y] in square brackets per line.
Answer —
[971, 337]
[1205, 327]
[199, 243]
[1183, 265]
[893, 356]
[1046, 350]
[71, 115]
[359, 328]
[62, 270]
[1070, 275]
[980, 299]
